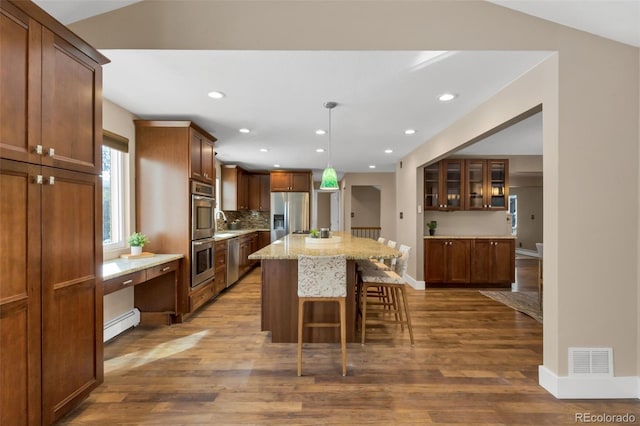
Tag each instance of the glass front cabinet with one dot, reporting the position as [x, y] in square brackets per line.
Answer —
[444, 185]
[487, 184]
[466, 184]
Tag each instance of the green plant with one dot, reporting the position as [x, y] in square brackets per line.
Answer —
[138, 239]
[432, 225]
[314, 233]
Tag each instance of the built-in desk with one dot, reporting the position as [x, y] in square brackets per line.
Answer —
[155, 282]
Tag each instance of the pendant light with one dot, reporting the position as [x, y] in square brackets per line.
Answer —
[329, 176]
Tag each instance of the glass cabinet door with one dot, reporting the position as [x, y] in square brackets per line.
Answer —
[498, 181]
[453, 184]
[476, 173]
[432, 187]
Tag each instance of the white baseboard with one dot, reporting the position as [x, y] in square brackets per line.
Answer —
[567, 387]
[121, 323]
[418, 285]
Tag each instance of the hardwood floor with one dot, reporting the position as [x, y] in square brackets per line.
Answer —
[475, 362]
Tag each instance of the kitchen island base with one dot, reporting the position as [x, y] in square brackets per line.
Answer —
[280, 305]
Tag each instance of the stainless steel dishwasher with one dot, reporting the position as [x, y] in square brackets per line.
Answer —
[233, 260]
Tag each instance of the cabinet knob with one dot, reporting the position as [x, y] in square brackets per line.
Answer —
[38, 180]
[127, 282]
[165, 269]
[51, 152]
[38, 149]
[51, 180]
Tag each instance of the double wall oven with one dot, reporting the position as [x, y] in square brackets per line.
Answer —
[203, 228]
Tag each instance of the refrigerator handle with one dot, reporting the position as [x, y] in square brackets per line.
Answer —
[286, 218]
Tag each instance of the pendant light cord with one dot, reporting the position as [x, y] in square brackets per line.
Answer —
[330, 106]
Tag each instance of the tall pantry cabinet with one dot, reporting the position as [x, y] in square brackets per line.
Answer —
[50, 217]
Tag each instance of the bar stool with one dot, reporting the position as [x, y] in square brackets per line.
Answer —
[322, 279]
[392, 282]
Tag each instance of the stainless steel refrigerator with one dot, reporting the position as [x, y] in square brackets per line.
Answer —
[289, 213]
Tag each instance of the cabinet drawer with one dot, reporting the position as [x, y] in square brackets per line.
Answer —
[201, 296]
[165, 268]
[220, 282]
[128, 280]
[220, 259]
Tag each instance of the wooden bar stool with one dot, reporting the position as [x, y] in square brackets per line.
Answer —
[322, 279]
[396, 305]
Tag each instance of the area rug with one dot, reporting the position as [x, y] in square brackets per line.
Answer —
[522, 301]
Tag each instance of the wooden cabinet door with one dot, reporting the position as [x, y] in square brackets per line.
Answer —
[482, 261]
[72, 321]
[264, 239]
[196, 155]
[476, 187]
[254, 191]
[280, 182]
[71, 116]
[434, 263]
[20, 46]
[265, 193]
[20, 303]
[503, 269]
[300, 182]
[208, 161]
[432, 197]
[243, 190]
[458, 255]
[452, 184]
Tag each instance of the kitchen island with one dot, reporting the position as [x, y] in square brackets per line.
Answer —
[280, 284]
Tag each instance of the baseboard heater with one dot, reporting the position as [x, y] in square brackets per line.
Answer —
[121, 323]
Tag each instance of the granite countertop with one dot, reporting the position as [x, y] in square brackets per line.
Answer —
[232, 233]
[485, 237]
[354, 248]
[118, 267]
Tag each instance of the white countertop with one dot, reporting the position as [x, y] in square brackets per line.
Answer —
[118, 267]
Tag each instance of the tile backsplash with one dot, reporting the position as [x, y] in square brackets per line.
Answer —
[249, 219]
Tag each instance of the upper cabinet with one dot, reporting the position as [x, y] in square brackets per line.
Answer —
[444, 185]
[202, 157]
[259, 192]
[466, 184]
[290, 181]
[52, 114]
[235, 188]
[487, 184]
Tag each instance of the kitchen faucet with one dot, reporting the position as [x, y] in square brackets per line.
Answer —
[221, 213]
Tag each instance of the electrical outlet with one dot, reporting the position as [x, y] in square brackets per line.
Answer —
[401, 215]
[419, 209]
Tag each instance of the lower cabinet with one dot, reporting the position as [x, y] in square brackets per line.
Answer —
[493, 261]
[469, 261]
[447, 261]
[248, 244]
[201, 295]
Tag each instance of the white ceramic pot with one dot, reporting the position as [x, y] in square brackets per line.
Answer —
[136, 250]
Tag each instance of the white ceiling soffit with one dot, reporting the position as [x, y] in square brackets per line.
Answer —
[614, 19]
[279, 96]
[70, 11]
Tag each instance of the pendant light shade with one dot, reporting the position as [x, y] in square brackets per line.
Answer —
[329, 176]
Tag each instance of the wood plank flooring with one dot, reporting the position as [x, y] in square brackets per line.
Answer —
[475, 362]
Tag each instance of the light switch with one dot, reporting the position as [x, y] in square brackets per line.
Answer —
[419, 209]
[533, 217]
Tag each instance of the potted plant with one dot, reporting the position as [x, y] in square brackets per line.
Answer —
[314, 233]
[137, 240]
[432, 227]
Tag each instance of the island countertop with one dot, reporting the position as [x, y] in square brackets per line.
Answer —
[354, 248]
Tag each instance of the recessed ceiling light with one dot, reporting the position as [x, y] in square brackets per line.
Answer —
[409, 132]
[276, 165]
[321, 132]
[372, 166]
[264, 150]
[216, 95]
[320, 150]
[388, 151]
[447, 97]
[244, 130]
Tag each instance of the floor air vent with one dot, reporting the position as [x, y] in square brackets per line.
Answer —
[590, 361]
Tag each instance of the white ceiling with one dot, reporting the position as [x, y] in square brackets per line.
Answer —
[280, 95]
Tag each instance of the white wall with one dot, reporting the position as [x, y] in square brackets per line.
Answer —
[386, 183]
[530, 216]
[365, 206]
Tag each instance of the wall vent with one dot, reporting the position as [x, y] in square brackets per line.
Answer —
[591, 362]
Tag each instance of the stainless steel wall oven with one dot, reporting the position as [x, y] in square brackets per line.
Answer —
[203, 228]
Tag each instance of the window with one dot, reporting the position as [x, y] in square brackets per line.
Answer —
[114, 150]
